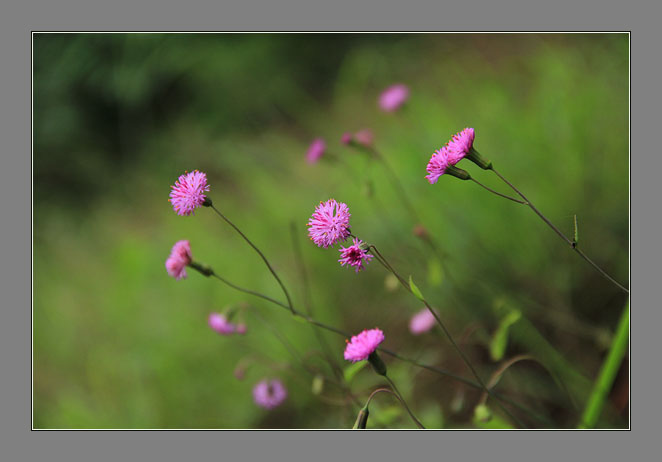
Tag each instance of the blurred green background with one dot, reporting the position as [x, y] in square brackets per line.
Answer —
[118, 117]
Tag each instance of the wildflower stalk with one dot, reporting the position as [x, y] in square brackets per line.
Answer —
[207, 271]
[208, 203]
[407, 287]
[404, 403]
[497, 193]
[573, 245]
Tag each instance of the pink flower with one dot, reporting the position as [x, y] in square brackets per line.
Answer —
[180, 257]
[316, 150]
[437, 165]
[220, 324]
[393, 97]
[269, 393]
[329, 223]
[188, 192]
[460, 145]
[365, 137]
[241, 329]
[354, 255]
[346, 138]
[421, 322]
[363, 345]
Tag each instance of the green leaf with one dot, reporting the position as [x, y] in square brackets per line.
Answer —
[500, 338]
[353, 369]
[576, 231]
[318, 384]
[415, 290]
[435, 272]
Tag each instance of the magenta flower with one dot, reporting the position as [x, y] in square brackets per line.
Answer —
[188, 192]
[437, 165]
[269, 393]
[329, 223]
[346, 138]
[316, 150]
[354, 255]
[421, 322]
[365, 137]
[363, 345]
[180, 257]
[460, 145]
[393, 97]
[220, 324]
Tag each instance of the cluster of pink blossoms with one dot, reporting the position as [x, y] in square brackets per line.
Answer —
[450, 154]
[188, 192]
[219, 323]
[269, 393]
[363, 344]
[180, 257]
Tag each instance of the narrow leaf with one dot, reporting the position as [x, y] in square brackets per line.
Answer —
[415, 290]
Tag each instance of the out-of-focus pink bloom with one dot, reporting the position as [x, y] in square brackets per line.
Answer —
[220, 324]
[346, 138]
[188, 192]
[437, 165]
[363, 344]
[180, 257]
[329, 223]
[241, 328]
[316, 150]
[460, 145]
[365, 137]
[354, 255]
[393, 97]
[269, 394]
[421, 322]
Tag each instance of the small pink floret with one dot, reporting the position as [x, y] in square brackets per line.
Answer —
[188, 192]
[363, 344]
[421, 322]
[354, 255]
[180, 257]
[316, 150]
[346, 138]
[269, 394]
[393, 97]
[365, 137]
[329, 223]
[437, 165]
[220, 324]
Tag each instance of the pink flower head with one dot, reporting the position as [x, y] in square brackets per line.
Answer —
[421, 322]
[316, 150]
[180, 257]
[362, 345]
[365, 137]
[460, 145]
[220, 324]
[437, 164]
[188, 192]
[354, 255]
[241, 329]
[329, 223]
[393, 97]
[269, 393]
[346, 138]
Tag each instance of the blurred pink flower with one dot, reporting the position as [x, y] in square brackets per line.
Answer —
[354, 255]
[460, 145]
[241, 329]
[393, 97]
[437, 165]
[329, 223]
[220, 324]
[269, 393]
[188, 192]
[363, 344]
[180, 257]
[365, 137]
[421, 322]
[346, 138]
[316, 150]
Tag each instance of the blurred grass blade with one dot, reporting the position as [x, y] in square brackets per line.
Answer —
[435, 272]
[608, 372]
[500, 338]
[353, 369]
[576, 231]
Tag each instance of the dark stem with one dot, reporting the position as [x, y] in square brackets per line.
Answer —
[571, 243]
[404, 403]
[498, 193]
[287, 295]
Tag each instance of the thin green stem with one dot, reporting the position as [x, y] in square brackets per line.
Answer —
[498, 193]
[573, 245]
[287, 295]
[605, 380]
[404, 403]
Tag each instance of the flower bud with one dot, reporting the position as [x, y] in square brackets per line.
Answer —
[458, 172]
[361, 419]
[479, 160]
[377, 363]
